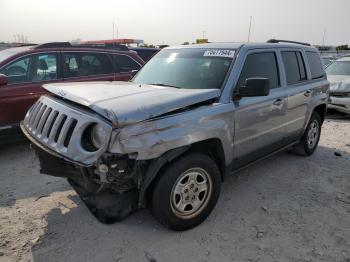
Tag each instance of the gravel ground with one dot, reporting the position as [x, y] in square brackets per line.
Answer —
[285, 208]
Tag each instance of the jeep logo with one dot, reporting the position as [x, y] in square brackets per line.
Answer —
[61, 92]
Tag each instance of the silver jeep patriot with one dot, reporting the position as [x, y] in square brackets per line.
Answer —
[192, 115]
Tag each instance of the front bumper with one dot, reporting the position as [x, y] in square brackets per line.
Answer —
[341, 104]
[47, 150]
[105, 204]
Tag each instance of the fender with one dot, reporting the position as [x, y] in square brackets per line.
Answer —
[154, 167]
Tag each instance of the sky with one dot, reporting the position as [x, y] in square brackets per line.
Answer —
[176, 21]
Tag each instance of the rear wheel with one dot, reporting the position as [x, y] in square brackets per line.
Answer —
[187, 191]
[311, 137]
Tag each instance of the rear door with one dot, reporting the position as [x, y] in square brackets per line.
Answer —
[83, 66]
[25, 76]
[298, 88]
[260, 121]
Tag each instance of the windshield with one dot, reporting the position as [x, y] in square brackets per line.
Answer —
[339, 68]
[4, 54]
[187, 68]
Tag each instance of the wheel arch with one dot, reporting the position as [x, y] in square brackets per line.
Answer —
[321, 110]
[211, 147]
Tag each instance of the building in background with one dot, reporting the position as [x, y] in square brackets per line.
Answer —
[202, 41]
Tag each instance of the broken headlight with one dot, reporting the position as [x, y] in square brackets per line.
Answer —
[98, 136]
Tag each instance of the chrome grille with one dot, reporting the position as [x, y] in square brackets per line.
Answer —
[50, 125]
[60, 126]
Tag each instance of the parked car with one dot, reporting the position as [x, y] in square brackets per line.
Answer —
[191, 116]
[339, 76]
[145, 53]
[25, 69]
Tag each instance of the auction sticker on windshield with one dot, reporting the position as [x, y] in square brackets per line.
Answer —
[219, 53]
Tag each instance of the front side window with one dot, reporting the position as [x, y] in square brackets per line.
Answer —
[189, 68]
[315, 63]
[339, 68]
[262, 65]
[82, 64]
[294, 67]
[34, 68]
[124, 63]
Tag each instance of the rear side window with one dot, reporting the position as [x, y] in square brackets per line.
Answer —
[316, 67]
[123, 63]
[294, 67]
[82, 64]
[260, 65]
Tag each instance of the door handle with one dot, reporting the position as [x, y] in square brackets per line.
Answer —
[307, 93]
[278, 102]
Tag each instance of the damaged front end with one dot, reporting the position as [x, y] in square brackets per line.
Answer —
[61, 135]
[108, 188]
[111, 162]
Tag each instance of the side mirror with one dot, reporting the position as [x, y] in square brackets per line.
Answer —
[3, 80]
[134, 72]
[255, 86]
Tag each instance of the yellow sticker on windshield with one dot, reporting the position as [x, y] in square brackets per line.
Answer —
[219, 53]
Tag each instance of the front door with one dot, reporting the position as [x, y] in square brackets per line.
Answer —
[25, 77]
[259, 121]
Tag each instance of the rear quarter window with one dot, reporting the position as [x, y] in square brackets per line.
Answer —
[315, 64]
[124, 63]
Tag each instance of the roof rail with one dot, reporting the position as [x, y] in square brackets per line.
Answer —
[53, 45]
[104, 46]
[286, 41]
[67, 44]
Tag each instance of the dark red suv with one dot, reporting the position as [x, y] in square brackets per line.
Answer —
[23, 71]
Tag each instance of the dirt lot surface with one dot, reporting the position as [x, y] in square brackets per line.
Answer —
[285, 208]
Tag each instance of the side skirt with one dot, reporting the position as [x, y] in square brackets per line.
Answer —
[234, 169]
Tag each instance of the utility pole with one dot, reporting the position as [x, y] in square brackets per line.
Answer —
[250, 27]
[324, 37]
[113, 30]
[117, 30]
[203, 32]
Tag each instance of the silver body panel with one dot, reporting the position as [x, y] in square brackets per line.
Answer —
[145, 121]
[125, 103]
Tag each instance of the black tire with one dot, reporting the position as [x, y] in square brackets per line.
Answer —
[304, 148]
[162, 206]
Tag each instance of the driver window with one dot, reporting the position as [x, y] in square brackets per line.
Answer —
[17, 72]
[35, 68]
[260, 65]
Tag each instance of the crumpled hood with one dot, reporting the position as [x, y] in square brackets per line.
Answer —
[339, 83]
[126, 102]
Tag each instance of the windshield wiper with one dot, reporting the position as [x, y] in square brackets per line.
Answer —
[160, 84]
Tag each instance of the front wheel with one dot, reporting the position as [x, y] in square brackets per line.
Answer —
[187, 191]
[311, 137]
